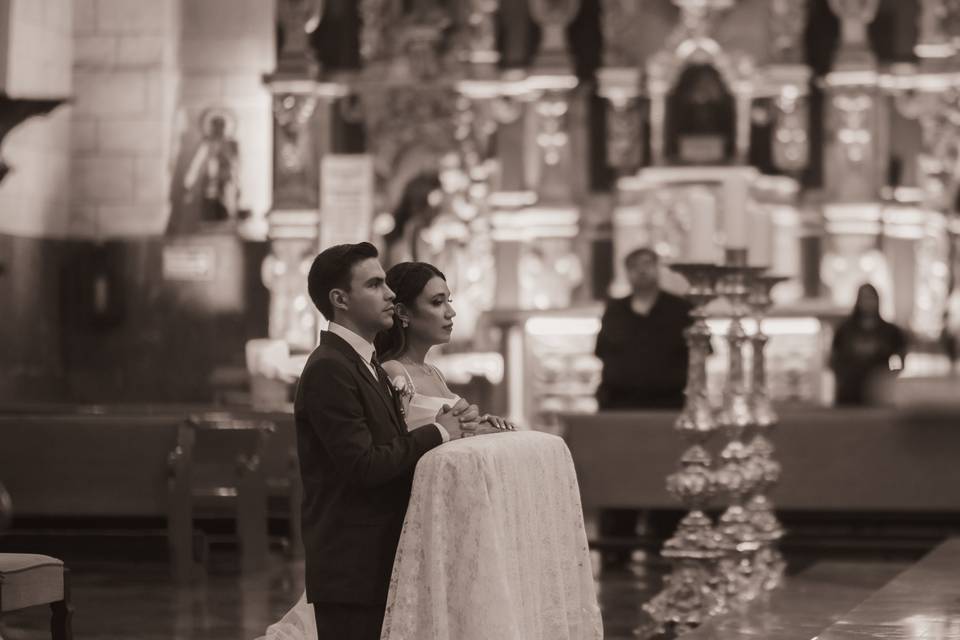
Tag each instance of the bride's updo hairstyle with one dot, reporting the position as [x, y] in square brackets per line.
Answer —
[406, 280]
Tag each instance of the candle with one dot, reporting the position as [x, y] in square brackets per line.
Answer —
[701, 243]
[735, 212]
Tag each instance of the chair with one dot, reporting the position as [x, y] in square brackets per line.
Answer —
[29, 580]
[217, 464]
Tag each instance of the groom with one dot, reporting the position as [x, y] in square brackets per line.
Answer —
[356, 456]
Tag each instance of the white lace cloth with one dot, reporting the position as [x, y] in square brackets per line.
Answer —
[493, 546]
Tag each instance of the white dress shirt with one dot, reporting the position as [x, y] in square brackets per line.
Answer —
[366, 350]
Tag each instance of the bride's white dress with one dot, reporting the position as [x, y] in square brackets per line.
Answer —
[520, 506]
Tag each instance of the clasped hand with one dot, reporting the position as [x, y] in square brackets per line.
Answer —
[464, 419]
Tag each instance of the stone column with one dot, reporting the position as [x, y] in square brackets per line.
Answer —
[854, 51]
[302, 133]
[553, 16]
[854, 164]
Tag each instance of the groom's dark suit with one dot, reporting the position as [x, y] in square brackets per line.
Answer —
[357, 461]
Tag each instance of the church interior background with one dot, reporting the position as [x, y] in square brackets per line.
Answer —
[171, 167]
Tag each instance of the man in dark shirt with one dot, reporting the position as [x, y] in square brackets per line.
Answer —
[644, 355]
[641, 342]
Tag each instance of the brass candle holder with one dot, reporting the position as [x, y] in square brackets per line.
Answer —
[689, 594]
[769, 565]
[738, 475]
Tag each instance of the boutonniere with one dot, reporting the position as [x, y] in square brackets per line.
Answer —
[404, 391]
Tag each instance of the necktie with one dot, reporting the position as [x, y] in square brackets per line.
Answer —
[381, 375]
[385, 384]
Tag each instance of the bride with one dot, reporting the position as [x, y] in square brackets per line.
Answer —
[423, 318]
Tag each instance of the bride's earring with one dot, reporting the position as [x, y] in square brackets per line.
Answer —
[404, 323]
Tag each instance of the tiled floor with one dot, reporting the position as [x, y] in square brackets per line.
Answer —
[131, 600]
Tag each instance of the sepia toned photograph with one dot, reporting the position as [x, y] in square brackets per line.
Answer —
[479, 319]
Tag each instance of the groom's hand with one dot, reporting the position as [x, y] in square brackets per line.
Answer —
[446, 419]
[468, 413]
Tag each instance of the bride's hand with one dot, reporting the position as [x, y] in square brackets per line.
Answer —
[498, 423]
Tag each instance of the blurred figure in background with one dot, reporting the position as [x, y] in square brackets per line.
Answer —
[645, 358]
[641, 342]
[865, 346]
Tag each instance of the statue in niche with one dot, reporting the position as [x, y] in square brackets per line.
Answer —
[701, 120]
[211, 180]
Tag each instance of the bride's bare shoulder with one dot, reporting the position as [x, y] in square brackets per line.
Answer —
[394, 368]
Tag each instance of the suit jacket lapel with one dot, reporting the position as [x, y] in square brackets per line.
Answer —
[341, 345]
[373, 382]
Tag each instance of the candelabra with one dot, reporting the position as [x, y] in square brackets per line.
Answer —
[689, 594]
[768, 562]
[738, 474]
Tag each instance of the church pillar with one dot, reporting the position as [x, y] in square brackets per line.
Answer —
[533, 215]
[302, 134]
[854, 160]
[854, 52]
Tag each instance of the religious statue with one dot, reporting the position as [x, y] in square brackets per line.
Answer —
[212, 177]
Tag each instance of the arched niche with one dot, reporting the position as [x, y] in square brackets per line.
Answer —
[700, 125]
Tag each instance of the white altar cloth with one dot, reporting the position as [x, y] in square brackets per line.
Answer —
[493, 546]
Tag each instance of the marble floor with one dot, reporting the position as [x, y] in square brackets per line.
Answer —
[130, 599]
[138, 600]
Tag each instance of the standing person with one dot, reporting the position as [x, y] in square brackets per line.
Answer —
[357, 457]
[644, 355]
[641, 342]
[864, 347]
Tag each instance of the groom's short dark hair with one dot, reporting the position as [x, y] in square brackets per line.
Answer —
[332, 269]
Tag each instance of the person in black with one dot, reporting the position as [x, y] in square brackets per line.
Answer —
[644, 355]
[865, 346]
[641, 342]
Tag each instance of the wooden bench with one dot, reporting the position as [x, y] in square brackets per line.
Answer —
[116, 461]
[841, 460]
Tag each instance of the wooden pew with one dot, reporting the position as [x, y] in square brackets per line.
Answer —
[217, 463]
[115, 461]
[840, 460]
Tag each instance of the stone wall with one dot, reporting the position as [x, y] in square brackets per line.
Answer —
[37, 54]
[125, 78]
